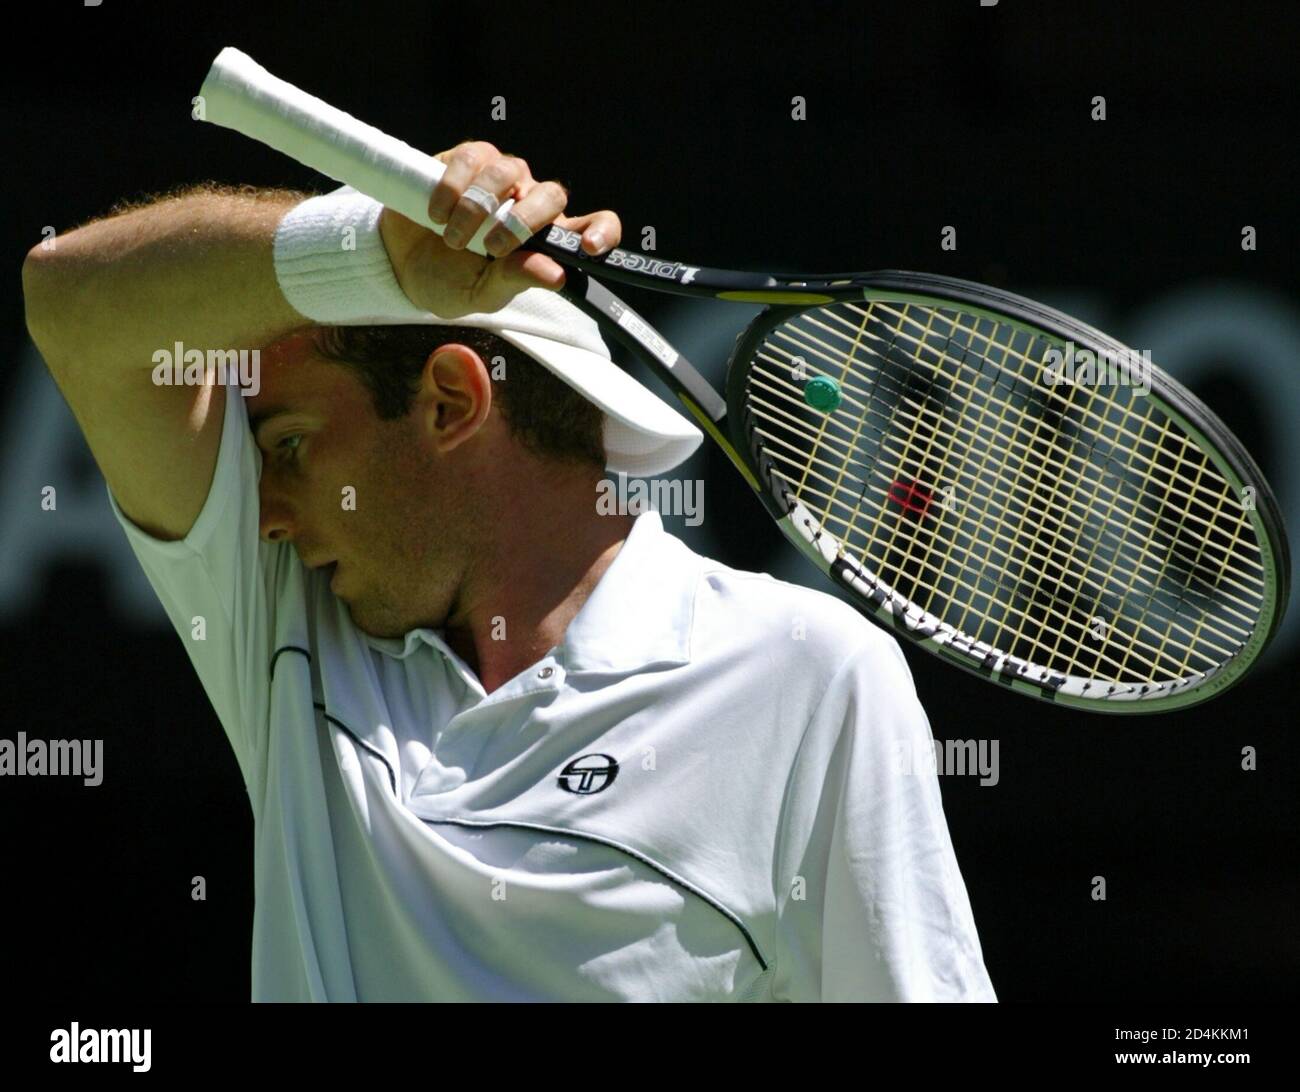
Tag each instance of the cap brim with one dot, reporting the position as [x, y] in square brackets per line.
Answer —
[644, 435]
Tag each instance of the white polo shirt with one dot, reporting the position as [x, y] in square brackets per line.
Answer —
[696, 796]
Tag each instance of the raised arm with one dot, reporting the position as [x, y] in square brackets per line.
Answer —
[195, 268]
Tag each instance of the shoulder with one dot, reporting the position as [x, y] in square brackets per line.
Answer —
[810, 630]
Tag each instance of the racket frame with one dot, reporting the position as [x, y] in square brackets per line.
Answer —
[1186, 411]
[785, 296]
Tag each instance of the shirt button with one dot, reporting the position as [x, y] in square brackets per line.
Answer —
[546, 673]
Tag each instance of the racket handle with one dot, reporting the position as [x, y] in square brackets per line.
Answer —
[239, 94]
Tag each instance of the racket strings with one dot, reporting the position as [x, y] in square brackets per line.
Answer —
[1030, 371]
[1006, 579]
[972, 590]
[834, 355]
[1004, 408]
[922, 464]
[1008, 583]
[1056, 552]
[1159, 445]
[1195, 519]
[1037, 556]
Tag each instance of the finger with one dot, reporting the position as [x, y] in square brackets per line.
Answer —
[539, 204]
[495, 182]
[601, 231]
[523, 269]
[461, 164]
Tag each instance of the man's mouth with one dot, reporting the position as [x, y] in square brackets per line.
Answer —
[327, 569]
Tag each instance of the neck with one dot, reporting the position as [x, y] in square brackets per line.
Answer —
[525, 585]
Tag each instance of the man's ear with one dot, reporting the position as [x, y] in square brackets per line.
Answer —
[455, 395]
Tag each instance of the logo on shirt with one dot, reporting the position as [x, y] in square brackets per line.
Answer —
[588, 774]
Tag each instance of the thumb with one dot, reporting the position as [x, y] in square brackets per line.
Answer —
[522, 269]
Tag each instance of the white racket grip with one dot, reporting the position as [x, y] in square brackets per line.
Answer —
[239, 94]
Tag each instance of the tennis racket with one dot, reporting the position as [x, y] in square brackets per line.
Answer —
[940, 448]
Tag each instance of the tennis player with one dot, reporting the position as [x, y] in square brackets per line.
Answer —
[498, 745]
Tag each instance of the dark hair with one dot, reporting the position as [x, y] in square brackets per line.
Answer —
[543, 412]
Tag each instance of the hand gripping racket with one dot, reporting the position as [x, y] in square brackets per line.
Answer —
[943, 450]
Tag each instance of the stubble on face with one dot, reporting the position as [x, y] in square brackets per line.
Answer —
[409, 536]
[404, 548]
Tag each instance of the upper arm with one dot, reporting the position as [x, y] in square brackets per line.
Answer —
[887, 916]
[156, 445]
[183, 472]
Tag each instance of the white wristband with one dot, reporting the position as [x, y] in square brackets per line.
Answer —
[335, 276]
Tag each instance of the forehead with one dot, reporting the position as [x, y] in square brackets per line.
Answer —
[294, 376]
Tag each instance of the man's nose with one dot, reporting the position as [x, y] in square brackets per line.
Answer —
[275, 519]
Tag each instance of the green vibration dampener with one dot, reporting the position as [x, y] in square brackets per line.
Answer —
[822, 393]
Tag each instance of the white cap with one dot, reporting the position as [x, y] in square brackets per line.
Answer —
[356, 286]
[644, 435]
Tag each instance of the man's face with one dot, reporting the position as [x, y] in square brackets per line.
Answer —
[343, 486]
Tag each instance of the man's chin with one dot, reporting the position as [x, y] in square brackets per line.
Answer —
[371, 626]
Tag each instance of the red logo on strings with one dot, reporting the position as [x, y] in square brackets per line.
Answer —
[912, 497]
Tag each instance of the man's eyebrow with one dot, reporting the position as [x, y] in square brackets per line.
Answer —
[262, 416]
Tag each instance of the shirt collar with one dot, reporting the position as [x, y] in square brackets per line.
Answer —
[640, 613]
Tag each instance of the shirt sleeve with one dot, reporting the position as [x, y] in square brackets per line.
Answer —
[872, 905]
[213, 585]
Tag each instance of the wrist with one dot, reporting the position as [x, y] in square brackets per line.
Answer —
[333, 263]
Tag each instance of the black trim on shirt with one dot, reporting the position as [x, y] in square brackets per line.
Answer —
[392, 774]
[563, 831]
[567, 832]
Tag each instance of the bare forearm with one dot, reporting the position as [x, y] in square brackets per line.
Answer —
[197, 268]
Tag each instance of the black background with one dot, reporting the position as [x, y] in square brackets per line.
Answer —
[920, 115]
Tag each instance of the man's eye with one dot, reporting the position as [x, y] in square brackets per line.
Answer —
[281, 446]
